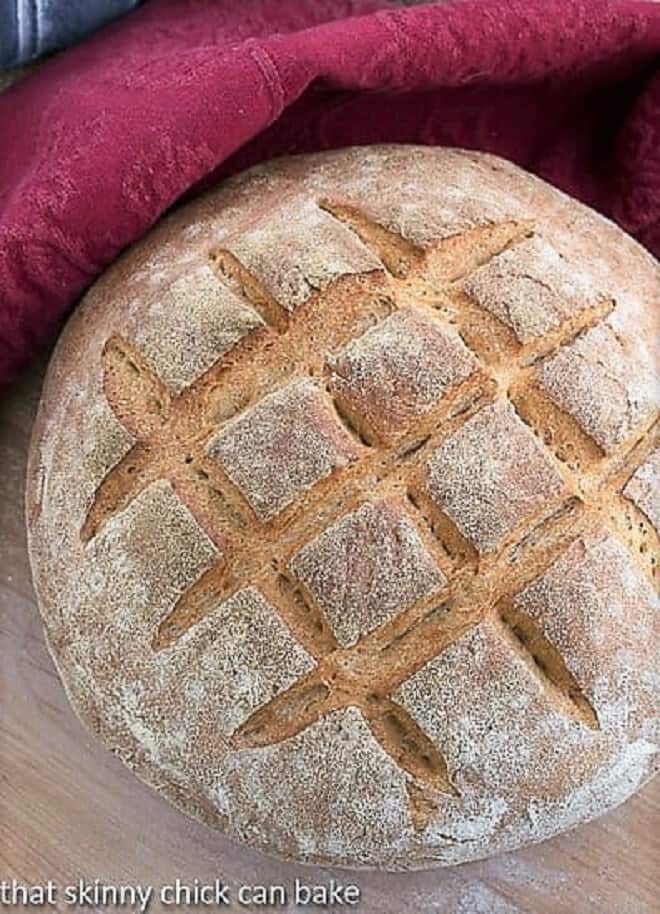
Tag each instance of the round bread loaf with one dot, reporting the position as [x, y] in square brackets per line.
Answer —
[342, 508]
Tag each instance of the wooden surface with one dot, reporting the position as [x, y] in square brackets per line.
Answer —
[69, 810]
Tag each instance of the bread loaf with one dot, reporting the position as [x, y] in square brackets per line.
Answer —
[343, 508]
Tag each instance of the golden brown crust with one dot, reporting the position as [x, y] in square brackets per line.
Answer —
[341, 507]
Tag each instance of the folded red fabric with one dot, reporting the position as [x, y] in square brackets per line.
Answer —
[106, 136]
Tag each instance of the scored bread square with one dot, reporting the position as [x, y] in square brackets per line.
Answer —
[190, 324]
[491, 475]
[486, 729]
[397, 371]
[531, 288]
[591, 604]
[597, 381]
[367, 567]
[283, 446]
[259, 660]
[318, 249]
[504, 730]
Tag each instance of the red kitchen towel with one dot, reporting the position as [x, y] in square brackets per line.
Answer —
[107, 135]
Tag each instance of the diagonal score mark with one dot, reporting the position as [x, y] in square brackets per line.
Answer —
[407, 744]
[211, 498]
[137, 396]
[633, 456]
[301, 613]
[209, 589]
[464, 252]
[125, 481]
[397, 254]
[528, 640]
[450, 258]
[567, 331]
[230, 268]
[291, 712]
[633, 527]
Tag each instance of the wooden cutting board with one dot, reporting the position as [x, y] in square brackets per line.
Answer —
[69, 810]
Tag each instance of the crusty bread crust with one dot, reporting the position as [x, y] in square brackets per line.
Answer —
[341, 505]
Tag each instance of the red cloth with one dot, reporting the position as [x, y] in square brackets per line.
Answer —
[106, 136]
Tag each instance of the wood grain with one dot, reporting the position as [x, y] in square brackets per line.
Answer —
[70, 810]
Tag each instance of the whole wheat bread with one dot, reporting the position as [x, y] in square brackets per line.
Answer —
[342, 508]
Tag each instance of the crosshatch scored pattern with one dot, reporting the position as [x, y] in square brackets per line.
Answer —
[380, 450]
